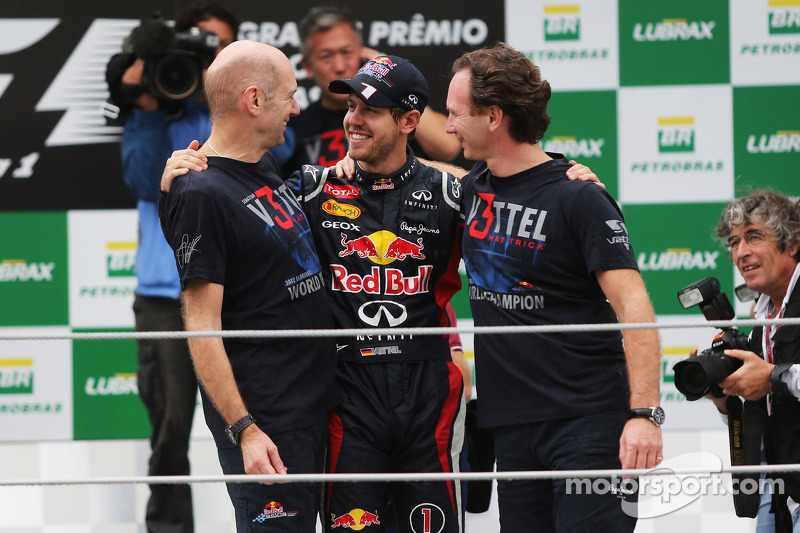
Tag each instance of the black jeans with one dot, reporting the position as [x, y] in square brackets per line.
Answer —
[168, 388]
[588, 442]
[280, 507]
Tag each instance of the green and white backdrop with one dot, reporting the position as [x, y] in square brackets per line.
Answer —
[678, 106]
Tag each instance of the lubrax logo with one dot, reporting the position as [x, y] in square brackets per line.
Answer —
[780, 142]
[120, 259]
[574, 148]
[677, 259]
[674, 30]
[21, 270]
[122, 384]
[675, 134]
[784, 17]
[562, 23]
[16, 376]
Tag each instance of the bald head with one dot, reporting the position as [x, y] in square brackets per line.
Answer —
[240, 65]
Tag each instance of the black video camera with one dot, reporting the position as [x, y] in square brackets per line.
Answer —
[174, 64]
[697, 376]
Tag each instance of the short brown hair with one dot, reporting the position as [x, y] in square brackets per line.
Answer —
[504, 77]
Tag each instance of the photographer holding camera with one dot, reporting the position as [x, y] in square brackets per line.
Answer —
[762, 232]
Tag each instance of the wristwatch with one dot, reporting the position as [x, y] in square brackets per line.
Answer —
[653, 414]
[233, 432]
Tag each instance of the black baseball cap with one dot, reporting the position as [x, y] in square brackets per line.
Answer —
[387, 81]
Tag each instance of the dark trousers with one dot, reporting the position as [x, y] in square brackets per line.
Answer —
[588, 442]
[280, 507]
[168, 388]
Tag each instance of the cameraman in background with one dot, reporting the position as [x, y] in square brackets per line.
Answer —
[158, 120]
[762, 233]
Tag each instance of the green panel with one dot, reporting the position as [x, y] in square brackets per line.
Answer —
[678, 42]
[766, 137]
[590, 142]
[675, 246]
[105, 390]
[34, 273]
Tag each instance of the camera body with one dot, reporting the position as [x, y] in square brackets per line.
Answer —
[698, 376]
[173, 69]
[176, 73]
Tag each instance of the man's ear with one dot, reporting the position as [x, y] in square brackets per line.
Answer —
[495, 115]
[306, 64]
[252, 100]
[410, 121]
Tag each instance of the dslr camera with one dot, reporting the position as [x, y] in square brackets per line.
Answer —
[697, 376]
[174, 64]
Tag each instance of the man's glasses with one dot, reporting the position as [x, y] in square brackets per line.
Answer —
[753, 238]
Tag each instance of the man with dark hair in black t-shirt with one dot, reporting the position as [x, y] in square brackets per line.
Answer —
[247, 260]
[540, 249]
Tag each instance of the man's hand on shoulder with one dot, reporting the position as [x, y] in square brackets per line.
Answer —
[181, 162]
[583, 173]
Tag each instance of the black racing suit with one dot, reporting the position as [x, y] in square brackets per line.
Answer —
[390, 250]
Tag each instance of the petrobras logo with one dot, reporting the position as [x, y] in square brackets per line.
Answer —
[562, 23]
[16, 376]
[574, 148]
[674, 30]
[12, 270]
[421, 32]
[675, 134]
[784, 17]
[121, 384]
[341, 210]
[120, 259]
[780, 142]
[677, 259]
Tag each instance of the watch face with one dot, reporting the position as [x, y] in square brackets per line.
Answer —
[231, 436]
[658, 415]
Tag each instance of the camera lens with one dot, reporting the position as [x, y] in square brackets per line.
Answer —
[177, 76]
[693, 379]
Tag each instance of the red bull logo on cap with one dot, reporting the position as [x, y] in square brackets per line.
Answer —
[356, 519]
[383, 60]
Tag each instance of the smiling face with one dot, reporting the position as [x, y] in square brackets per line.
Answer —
[468, 125]
[376, 139]
[763, 267]
[281, 107]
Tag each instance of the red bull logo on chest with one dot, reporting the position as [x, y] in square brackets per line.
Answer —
[356, 519]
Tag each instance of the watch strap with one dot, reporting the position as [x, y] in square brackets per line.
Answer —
[235, 430]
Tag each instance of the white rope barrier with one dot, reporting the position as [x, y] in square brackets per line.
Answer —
[477, 330]
[420, 476]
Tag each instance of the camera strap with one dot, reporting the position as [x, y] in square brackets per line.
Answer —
[745, 423]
